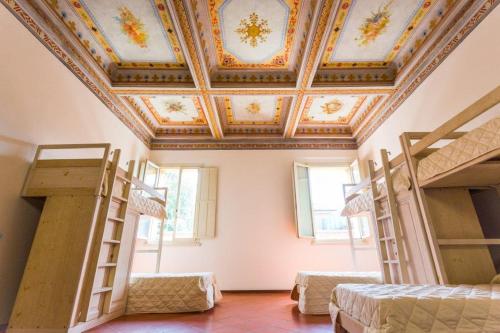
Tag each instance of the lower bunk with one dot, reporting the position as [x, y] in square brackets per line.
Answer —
[313, 289]
[388, 308]
[172, 293]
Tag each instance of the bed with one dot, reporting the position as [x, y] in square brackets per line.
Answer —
[375, 308]
[313, 289]
[476, 144]
[172, 293]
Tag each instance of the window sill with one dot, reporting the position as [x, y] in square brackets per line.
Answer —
[315, 241]
[187, 242]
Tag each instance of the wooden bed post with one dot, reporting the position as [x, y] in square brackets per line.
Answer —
[411, 163]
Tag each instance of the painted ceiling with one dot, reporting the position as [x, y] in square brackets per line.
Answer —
[230, 74]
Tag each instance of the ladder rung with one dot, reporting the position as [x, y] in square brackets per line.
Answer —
[111, 241]
[383, 239]
[102, 290]
[380, 197]
[122, 178]
[116, 219]
[383, 217]
[391, 261]
[122, 199]
[108, 264]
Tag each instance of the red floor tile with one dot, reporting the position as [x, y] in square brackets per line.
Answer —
[236, 313]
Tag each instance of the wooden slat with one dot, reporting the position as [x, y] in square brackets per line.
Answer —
[86, 313]
[450, 242]
[395, 225]
[65, 163]
[477, 108]
[115, 251]
[449, 136]
[411, 163]
[378, 228]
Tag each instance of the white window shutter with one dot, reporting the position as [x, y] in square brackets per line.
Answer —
[303, 206]
[206, 203]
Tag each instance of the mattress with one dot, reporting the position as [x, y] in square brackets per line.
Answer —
[358, 204]
[147, 206]
[172, 293]
[313, 289]
[364, 201]
[419, 308]
[474, 144]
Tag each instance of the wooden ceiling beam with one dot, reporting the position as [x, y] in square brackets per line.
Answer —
[183, 20]
[323, 17]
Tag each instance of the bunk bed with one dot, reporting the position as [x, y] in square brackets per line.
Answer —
[457, 193]
[78, 268]
[358, 308]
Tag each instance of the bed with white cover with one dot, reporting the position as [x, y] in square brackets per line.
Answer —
[313, 289]
[375, 308]
[172, 293]
[479, 144]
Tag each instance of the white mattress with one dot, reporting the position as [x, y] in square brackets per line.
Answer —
[419, 308]
[147, 206]
[315, 288]
[358, 204]
[172, 293]
[471, 145]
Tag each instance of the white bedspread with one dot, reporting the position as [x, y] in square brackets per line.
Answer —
[147, 206]
[420, 308]
[471, 145]
[314, 289]
[172, 293]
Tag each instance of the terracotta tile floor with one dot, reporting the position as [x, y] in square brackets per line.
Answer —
[236, 313]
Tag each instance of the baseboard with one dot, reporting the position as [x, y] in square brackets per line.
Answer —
[256, 291]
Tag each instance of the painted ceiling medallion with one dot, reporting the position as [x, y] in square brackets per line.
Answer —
[253, 30]
[175, 106]
[253, 108]
[256, 34]
[132, 27]
[332, 107]
[375, 25]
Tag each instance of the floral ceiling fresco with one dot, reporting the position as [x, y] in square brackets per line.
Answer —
[255, 74]
[253, 34]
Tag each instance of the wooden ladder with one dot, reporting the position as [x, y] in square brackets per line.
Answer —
[100, 258]
[387, 225]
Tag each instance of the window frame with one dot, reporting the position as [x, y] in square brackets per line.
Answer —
[183, 241]
[315, 239]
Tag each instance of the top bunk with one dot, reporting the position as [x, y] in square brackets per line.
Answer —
[470, 159]
[86, 169]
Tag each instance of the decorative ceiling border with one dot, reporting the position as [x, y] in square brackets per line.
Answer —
[85, 73]
[330, 144]
[416, 76]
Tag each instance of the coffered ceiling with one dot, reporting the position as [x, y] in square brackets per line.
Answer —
[251, 74]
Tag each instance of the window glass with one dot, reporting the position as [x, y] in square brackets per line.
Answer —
[148, 233]
[150, 174]
[327, 200]
[187, 204]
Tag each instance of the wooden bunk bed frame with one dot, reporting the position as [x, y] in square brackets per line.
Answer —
[478, 172]
[77, 271]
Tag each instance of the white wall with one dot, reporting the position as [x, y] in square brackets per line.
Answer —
[468, 73]
[41, 102]
[256, 245]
